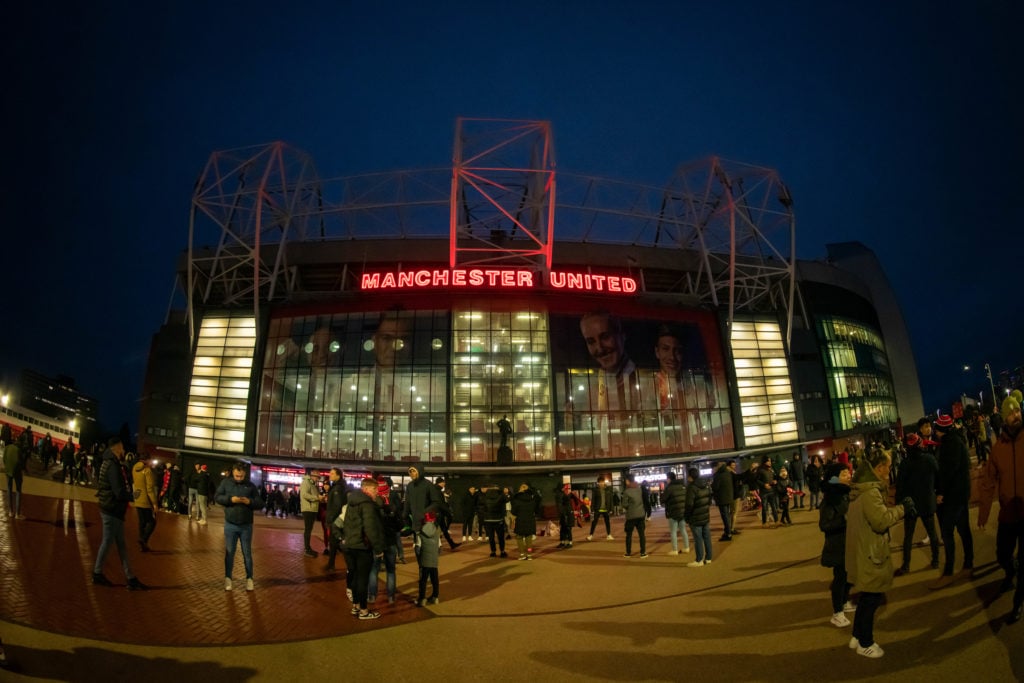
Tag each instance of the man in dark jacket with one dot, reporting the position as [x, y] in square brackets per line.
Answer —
[364, 540]
[239, 497]
[114, 493]
[337, 498]
[698, 516]
[675, 511]
[722, 489]
[916, 479]
[953, 492]
[494, 501]
[421, 497]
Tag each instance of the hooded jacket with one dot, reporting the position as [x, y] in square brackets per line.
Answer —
[144, 486]
[698, 502]
[674, 500]
[309, 494]
[525, 506]
[916, 479]
[364, 528]
[494, 504]
[832, 521]
[868, 564]
[421, 497]
[1004, 475]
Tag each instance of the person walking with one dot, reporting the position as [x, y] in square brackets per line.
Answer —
[868, 563]
[698, 516]
[1003, 475]
[146, 501]
[114, 495]
[953, 493]
[240, 498]
[916, 479]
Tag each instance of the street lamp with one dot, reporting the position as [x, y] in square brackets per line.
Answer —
[988, 373]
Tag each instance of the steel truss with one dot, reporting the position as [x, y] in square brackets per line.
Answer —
[732, 224]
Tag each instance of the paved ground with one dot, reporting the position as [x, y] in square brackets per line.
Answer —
[759, 612]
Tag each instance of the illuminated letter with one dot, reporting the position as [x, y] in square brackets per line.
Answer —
[508, 278]
[441, 278]
[613, 283]
[476, 278]
[628, 284]
[557, 279]
[575, 280]
[388, 282]
[459, 278]
[524, 278]
[405, 279]
[422, 278]
[492, 276]
[598, 281]
[370, 281]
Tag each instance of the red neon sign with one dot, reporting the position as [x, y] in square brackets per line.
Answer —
[500, 278]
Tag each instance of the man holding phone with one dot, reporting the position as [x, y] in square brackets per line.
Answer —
[239, 497]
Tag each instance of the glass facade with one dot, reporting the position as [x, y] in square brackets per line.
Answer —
[219, 391]
[432, 385]
[762, 382]
[857, 368]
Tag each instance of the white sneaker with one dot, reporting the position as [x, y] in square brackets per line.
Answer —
[872, 651]
[467, 538]
[227, 583]
[203, 521]
[348, 594]
[609, 537]
[695, 563]
[590, 538]
[249, 586]
[707, 561]
[849, 607]
[673, 552]
[686, 550]
[839, 620]
[853, 643]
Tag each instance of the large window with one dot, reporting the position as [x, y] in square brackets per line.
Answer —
[858, 375]
[219, 392]
[762, 381]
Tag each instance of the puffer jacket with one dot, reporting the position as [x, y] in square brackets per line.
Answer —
[364, 526]
[674, 499]
[636, 502]
[832, 521]
[698, 503]
[1004, 475]
[868, 564]
[144, 486]
[494, 505]
[309, 494]
[525, 506]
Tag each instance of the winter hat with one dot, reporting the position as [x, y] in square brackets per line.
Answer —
[1009, 405]
[913, 440]
[944, 422]
[1017, 396]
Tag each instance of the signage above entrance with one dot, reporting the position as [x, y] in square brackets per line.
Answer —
[496, 278]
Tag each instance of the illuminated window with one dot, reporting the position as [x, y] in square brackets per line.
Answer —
[762, 375]
[219, 391]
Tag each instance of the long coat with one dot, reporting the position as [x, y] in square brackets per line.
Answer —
[868, 564]
[832, 521]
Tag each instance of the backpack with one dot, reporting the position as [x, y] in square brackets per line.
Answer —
[340, 521]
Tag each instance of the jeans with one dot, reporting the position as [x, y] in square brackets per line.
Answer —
[954, 516]
[565, 524]
[232, 534]
[389, 560]
[607, 522]
[201, 507]
[496, 529]
[193, 495]
[726, 512]
[909, 524]
[640, 524]
[359, 562]
[701, 542]
[840, 589]
[147, 523]
[772, 501]
[864, 619]
[113, 530]
[1008, 535]
[14, 481]
[678, 525]
[308, 519]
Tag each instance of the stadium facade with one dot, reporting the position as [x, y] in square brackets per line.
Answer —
[381, 320]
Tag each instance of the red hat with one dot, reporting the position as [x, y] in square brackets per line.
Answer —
[944, 422]
[203, 468]
[913, 439]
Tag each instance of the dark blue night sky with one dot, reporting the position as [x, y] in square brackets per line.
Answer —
[894, 124]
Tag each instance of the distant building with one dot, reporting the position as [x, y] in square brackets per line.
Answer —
[57, 397]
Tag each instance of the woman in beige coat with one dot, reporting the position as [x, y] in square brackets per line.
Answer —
[868, 564]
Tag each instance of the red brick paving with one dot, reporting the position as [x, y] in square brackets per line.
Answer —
[46, 581]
